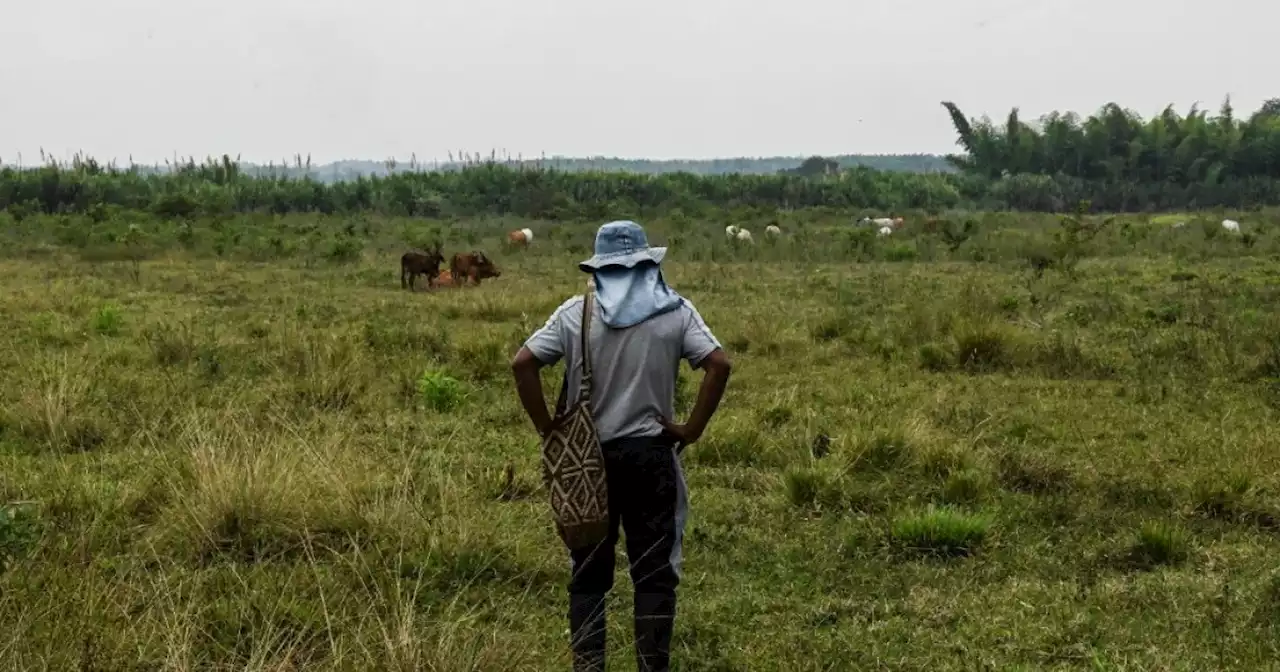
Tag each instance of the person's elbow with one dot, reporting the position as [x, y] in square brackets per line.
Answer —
[525, 362]
[717, 362]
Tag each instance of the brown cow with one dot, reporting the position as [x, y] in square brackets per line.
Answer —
[417, 262]
[472, 266]
[520, 238]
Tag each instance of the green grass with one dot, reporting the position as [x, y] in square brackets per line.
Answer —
[220, 459]
[939, 532]
[439, 391]
[1159, 544]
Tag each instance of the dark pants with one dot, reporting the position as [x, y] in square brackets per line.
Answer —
[647, 496]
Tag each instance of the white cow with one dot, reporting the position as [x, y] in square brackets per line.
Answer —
[528, 236]
[744, 236]
[731, 232]
[879, 221]
[1231, 225]
[772, 231]
[886, 230]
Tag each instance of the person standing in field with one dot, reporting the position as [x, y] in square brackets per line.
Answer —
[640, 330]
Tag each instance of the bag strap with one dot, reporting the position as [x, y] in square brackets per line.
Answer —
[587, 303]
[585, 392]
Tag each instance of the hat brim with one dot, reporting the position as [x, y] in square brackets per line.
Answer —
[624, 259]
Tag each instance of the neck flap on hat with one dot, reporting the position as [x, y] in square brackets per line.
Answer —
[629, 296]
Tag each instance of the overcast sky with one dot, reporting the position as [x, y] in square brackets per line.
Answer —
[655, 78]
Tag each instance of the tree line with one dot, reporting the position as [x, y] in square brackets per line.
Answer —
[223, 187]
[1116, 144]
[1113, 160]
[348, 169]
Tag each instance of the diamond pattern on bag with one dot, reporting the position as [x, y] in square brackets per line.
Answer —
[572, 462]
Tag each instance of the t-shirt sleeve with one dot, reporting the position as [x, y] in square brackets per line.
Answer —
[698, 339]
[547, 343]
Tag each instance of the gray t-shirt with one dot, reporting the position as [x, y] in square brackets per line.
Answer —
[634, 368]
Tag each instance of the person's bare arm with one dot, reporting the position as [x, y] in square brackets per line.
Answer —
[716, 368]
[525, 367]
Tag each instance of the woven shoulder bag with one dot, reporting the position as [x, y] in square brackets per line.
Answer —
[572, 462]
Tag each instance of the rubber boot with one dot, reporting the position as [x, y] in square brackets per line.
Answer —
[655, 618]
[587, 632]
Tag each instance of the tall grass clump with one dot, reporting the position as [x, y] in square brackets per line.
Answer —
[19, 531]
[808, 487]
[108, 320]
[1159, 543]
[965, 486]
[439, 391]
[939, 531]
[250, 495]
[984, 348]
[172, 345]
[328, 372]
[884, 452]
[59, 409]
[936, 357]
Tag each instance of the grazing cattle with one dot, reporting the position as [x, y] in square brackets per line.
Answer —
[445, 279]
[744, 236]
[879, 221]
[897, 222]
[772, 231]
[731, 232]
[473, 266]
[886, 230]
[416, 262]
[520, 238]
[1231, 225]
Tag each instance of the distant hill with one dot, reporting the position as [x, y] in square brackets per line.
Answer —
[911, 163]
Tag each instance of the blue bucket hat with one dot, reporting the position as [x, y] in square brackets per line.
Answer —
[622, 243]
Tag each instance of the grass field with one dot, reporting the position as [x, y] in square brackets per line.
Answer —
[227, 463]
